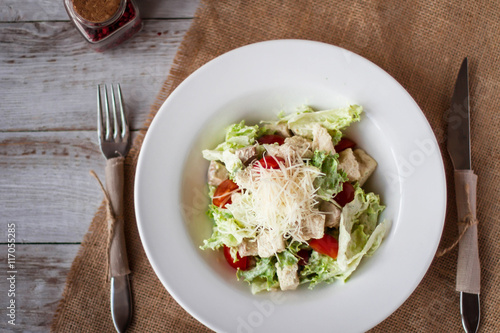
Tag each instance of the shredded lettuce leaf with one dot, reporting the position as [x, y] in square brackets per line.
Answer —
[287, 258]
[301, 122]
[359, 232]
[232, 162]
[320, 268]
[330, 183]
[226, 230]
[237, 136]
[262, 277]
[359, 235]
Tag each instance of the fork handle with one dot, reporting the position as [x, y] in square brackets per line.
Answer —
[118, 265]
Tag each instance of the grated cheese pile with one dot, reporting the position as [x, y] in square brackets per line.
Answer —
[277, 200]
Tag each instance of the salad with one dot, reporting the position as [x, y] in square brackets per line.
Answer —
[287, 200]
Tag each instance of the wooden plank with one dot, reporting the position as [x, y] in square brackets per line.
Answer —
[47, 190]
[49, 75]
[39, 283]
[46, 10]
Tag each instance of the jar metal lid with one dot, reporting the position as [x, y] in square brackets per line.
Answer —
[88, 19]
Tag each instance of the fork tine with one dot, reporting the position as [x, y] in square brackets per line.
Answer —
[99, 114]
[115, 116]
[106, 113]
[124, 124]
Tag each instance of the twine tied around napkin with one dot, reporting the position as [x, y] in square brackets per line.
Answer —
[111, 218]
[468, 221]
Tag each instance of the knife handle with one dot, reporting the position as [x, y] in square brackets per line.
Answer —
[468, 267]
[118, 262]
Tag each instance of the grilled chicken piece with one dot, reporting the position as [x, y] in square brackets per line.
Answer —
[217, 173]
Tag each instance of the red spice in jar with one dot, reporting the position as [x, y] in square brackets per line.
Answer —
[96, 10]
[101, 33]
[104, 23]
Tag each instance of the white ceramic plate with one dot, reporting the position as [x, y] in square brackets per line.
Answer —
[254, 83]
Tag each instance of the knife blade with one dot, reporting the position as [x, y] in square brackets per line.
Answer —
[458, 145]
[459, 121]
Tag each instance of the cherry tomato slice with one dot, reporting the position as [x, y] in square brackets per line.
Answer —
[242, 262]
[343, 144]
[346, 195]
[327, 245]
[304, 256]
[270, 162]
[222, 195]
[270, 139]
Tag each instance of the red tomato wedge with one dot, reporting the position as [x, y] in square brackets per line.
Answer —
[346, 195]
[343, 144]
[327, 245]
[271, 162]
[270, 139]
[222, 195]
[242, 262]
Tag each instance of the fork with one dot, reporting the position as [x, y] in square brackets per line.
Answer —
[114, 136]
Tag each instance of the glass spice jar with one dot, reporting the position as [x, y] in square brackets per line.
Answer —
[104, 23]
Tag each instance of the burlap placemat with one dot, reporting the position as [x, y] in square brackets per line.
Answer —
[421, 44]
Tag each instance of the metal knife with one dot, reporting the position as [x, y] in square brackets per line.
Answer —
[468, 269]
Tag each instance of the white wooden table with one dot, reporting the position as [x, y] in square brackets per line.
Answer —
[48, 141]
